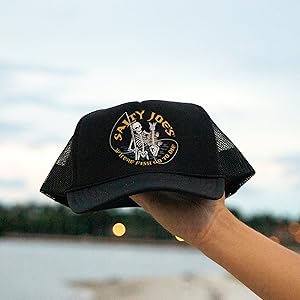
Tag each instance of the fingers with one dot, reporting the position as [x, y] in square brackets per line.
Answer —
[142, 200]
[154, 201]
[137, 198]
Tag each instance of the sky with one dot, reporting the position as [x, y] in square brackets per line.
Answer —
[240, 61]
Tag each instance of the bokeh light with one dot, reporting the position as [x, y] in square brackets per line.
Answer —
[178, 238]
[293, 228]
[119, 229]
[297, 236]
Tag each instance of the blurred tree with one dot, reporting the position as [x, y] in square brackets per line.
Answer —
[57, 219]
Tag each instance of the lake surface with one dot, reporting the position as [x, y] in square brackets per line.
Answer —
[38, 269]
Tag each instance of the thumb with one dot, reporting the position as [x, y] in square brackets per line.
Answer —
[144, 200]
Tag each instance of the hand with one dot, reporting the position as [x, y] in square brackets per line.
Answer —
[184, 215]
[267, 268]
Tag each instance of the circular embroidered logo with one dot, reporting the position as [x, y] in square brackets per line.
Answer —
[143, 138]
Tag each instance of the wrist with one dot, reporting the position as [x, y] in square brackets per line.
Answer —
[222, 220]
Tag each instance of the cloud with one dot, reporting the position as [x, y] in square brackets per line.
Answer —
[250, 201]
[198, 34]
[22, 83]
[39, 86]
[13, 183]
[244, 73]
[248, 112]
[24, 168]
[30, 123]
[291, 164]
[8, 128]
[292, 161]
[11, 67]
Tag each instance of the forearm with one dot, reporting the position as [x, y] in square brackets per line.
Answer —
[267, 268]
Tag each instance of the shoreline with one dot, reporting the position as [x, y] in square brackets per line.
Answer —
[91, 239]
[99, 240]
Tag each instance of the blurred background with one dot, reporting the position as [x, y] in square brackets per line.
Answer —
[60, 60]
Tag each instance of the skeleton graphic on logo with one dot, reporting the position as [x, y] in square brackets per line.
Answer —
[143, 138]
[143, 142]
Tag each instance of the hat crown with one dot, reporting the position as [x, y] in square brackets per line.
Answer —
[148, 136]
[138, 138]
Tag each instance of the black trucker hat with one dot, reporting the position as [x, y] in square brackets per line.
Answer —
[145, 146]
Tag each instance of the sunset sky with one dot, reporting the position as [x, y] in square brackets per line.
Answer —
[239, 60]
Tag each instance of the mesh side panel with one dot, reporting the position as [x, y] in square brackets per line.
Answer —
[232, 164]
[60, 177]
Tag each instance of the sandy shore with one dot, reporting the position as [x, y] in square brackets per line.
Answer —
[184, 287]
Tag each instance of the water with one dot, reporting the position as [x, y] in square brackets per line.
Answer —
[34, 270]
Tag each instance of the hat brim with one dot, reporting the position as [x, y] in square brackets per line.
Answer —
[115, 194]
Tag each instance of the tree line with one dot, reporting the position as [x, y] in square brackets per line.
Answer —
[60, 220]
